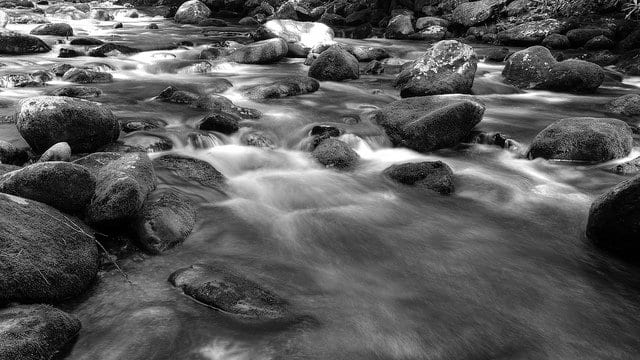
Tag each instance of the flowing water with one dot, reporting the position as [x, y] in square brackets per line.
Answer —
[500, 270]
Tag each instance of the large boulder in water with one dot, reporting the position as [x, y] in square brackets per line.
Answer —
[445, 68]
[47, 256]
[577, 76]
[336, 154]
[56, 29]
[192, 12]
[530, 33]
[46, 120]
[614, 219]
[35, 332]
[335, 64]
[14, 43]
[300, 36]
[529, 67]
[290, 86]
[261, 52]
[583, 139]
[429, 123]
[431, 175]
[399, 27]
[67, 187]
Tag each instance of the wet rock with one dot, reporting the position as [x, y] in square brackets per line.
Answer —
[173, 95]
[166, 220]
[152, 26]
[47, 256]
[111, 49]
[579, 37]
[473, 13]
[96, 161]
[399, 27]
[249, 21]
[229, 292]
[13, 43]
[529, 67]
[138, 124]
[335, 64]
[300, 36]
[65, 186]
[556, 42]
[35, 332]
[122, 187]
[261, 52]
[290, 86]
[575, 76]
[374, 67]
[85, 76]
[69, 53]
[627, 168]
[367, 53]
[335, 154]
[431, 175]
[497, 54]
[147, 141]
[332, 19]
[6, 168]
[67, 11]
[58, 152]
[191, 169]
[14, 80]
[257, 139]
[76, 92]
[428, 21]
[192, 12]
[530, 33]
[613, 224]
[46, 120]
[430, 122]
[10, 154]
[325, 130]
[118, 25]
[583, 139]
[599, 43]
[221, 122]
[445, 68]
[55, 29]
[628, 105]
[100, 15]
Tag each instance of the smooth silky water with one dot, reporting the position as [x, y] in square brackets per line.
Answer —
[500, 270]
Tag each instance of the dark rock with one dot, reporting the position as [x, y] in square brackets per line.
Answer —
[530, 33]
[497, 54]
[173, 95]
[374, 67]
[46, 120]
[529, 67]
[556, 42]
[261, 52]
[111, 49]
[399, 27]
[47, 256]
[628, 105]
[249, 21]
[445, 68]
[430, 122]
[10, 154]
[322, 130]
[58, 152]
[84, 76]
[583, 139]
[76, 91]
[215, 102]
[332, 19]
[428, 21]
[166, 220]
[517, 7]
[290, 86]
[13, 43]
[69, 53]
[362, 32]
[56, 29]
[60, 69]
[192, 12]
[222, 122]
[152, 26]
[579, 37]
[576, 76]
[432, 175]
[138, 124]
[473, 13]
[335, 64]
[599, 43]
[336, 154]
[35, 332]
[191, 169]
[5, 168]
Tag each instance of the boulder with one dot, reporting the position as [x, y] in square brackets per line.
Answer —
[474, 13]
[76, 91]
[367, 53]
[225, 290]
[55, 29]
[166, 220]
[191, 12]
[65, 186]
[336, 154]
[431, 175]
[399, 27]
[11, 155]
[111, 49]
[429, 123]
[261, 52]
[190, 169]
[221, 122]
[85, 76]
[599, 43]
[14, 43]
[628, 105]
[556, 42]
[577, 76]
[579, 37]
[122, 187]
[529, 67]
[300, 36]
[530, 33]
[35, 332]
[47, 256]
[290, 86]
[447, 67]
[58, 152]
[583, 139]
[335, 64]
[46, 120]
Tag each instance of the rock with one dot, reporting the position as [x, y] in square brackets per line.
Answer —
[556, 42]
[290, 86]
[56, 29]
[222, 122]
[13, 80]
[583, 139]
[497, 54]
[261, 52]
[76, 91]
[517, 7]
[429, 123]
[613, 224]
[529, 67]
[431, 175]
[374, 67]
[222, 289]
[257, 139]
[427, 21]
[579, 37]
[627, 168]
[335, 64]
[446, 67]
[599, 43]
[65, 186]
[60, 69]
[474, 13]
[118, 25]
[576, 76]
[336, 154]
[35, 332]
[173, 95]
[399, 27]
[47, 256]
[11, 155]
[122, 187]
[166, 220]
[628, 105]
[332, 19]
[249, 21]
[46, 120]
[191, 169]
[6, 168]
[358, 17]
[367, 53]
[431, 33]
[67, 11]
[69, 53]
[362, 32]
[85, 76]
[13, 43]
[111, 49]
[58, 152]
[300, 36]
[100, 15]
[192, 12]
[152, 26]
[530, 33]
[96, 161]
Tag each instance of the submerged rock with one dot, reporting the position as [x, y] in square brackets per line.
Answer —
[192, 12]
[335, 153]
[335, 64]
[191, 169]
[56, 29]
[261, 52]
[46, 120]
[431, 175]
[47, 256]
[529, 67]
[14, 43]
[290, 86]
[35, 332]
[583, 139]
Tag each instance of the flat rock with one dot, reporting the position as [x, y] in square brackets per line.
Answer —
[191, 169]
[290, 86]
